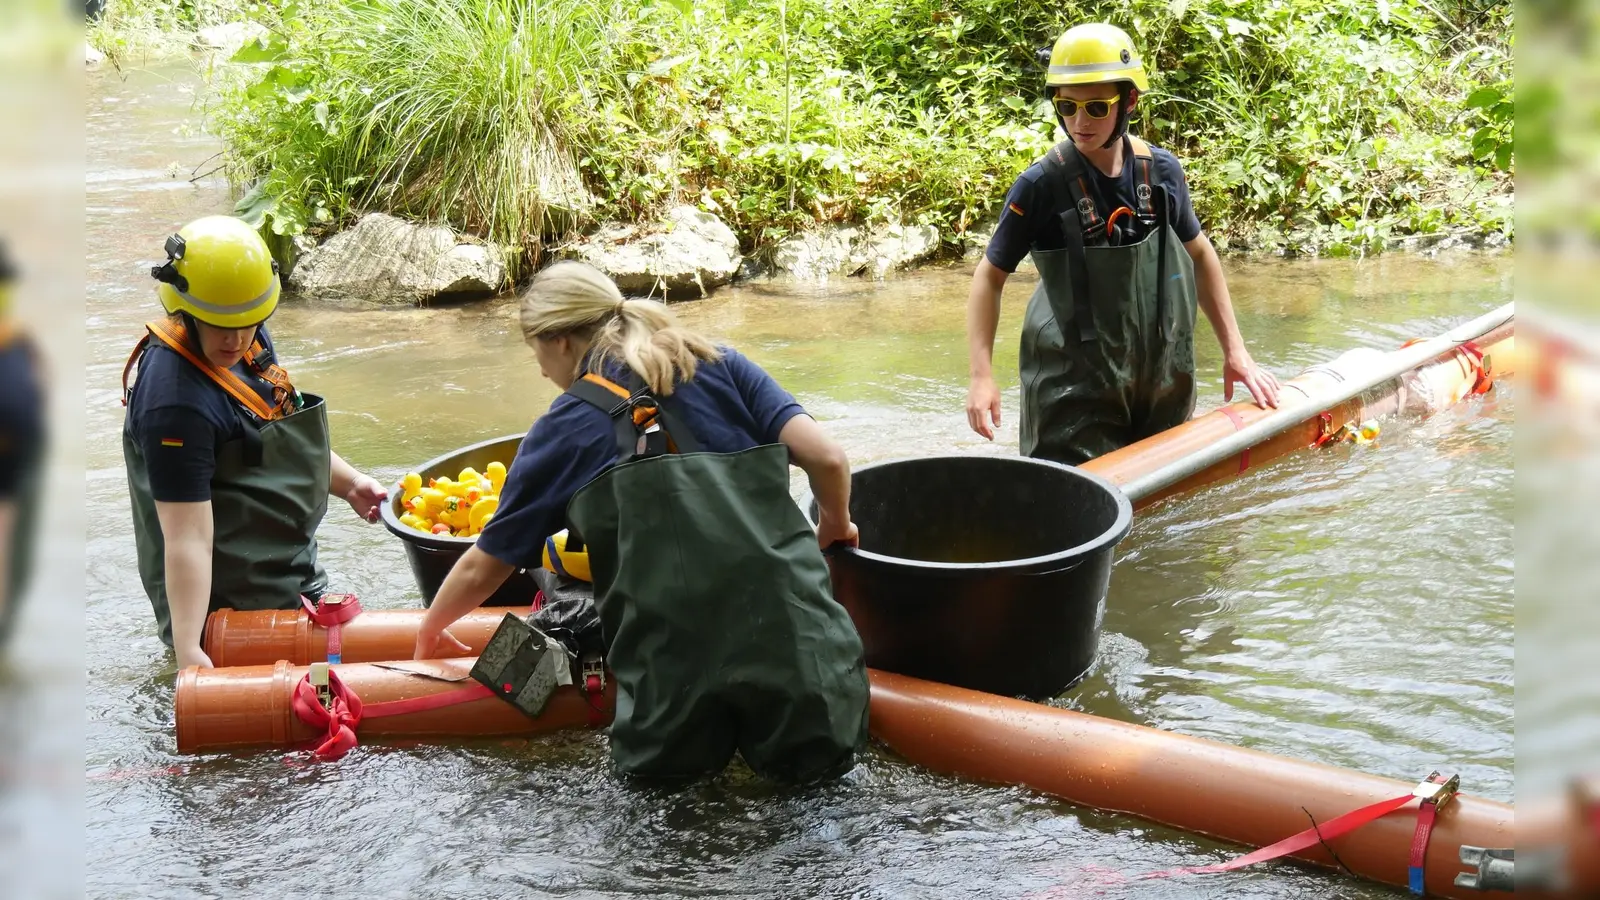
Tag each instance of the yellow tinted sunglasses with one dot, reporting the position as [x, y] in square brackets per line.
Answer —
[1095, 109]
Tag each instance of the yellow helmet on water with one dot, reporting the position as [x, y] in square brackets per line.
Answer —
[1094, 53]
[558, 559]
[219, 270]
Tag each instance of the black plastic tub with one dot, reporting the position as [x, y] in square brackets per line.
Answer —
[984, 572]
[431, 556]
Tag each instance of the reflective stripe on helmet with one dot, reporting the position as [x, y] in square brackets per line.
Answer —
[1094, 67]
[234, 310]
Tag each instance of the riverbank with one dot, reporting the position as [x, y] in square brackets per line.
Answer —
[1306, 129]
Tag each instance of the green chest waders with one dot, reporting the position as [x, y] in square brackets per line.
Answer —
[268, 495]
[24, 540]
[1107, 353]
[720, 623]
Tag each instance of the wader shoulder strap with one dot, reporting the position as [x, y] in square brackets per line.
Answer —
[1163, 229]
[133, 360]
[1080, 222]
[176, 337]
[1143, 184]
[632, 415]
[1065, 166]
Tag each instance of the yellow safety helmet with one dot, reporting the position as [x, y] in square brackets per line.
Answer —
[572, 563]
[1093, 53]
[219, 270]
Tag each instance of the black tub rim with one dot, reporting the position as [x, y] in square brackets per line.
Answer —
[391, 521]
[1061, 559]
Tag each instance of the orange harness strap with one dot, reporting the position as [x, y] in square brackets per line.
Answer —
[642, 416]
[176, 337]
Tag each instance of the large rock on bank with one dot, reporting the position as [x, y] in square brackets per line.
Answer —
[685, 256]
[847, 250]
[388, 260]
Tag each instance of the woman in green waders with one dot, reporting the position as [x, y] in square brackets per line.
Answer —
[229, 466]
[670, 457]
[1108, 337]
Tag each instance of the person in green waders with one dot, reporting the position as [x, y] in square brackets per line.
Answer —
[22, 445]
[229, 466]
[670, 457]
[1107, 353]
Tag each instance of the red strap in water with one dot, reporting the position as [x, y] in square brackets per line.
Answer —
[1325, 428]
[1238, 425]
[1419, 846]
[1327, 831]
[594, 689]
[1482, 368]
[345, 710]
[464, 694]
[340, 717]
[331, 611]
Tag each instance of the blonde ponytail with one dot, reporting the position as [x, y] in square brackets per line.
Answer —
[574, 298]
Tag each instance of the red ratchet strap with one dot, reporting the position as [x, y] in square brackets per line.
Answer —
[344, 710]
[1325, 429]
[538, 600]
[594, 689]
[1482, 368]
[1238, 425]
[332, 611]
[1434, 791]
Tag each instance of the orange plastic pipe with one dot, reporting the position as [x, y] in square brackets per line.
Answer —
[1230, 793]
[262, 637]
[1243, 796]
[251, 707]
[1449, 377]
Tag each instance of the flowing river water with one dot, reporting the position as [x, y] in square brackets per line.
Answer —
[1351, 606]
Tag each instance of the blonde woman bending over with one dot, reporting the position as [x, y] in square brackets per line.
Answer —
[669, 456]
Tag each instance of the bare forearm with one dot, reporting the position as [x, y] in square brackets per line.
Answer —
[983, 318]
[342, 476]
[188, 572]
[1213, 295]
[829, 478]
[472, 580]
[825, 463]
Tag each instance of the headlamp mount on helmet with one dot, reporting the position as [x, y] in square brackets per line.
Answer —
[168, 273]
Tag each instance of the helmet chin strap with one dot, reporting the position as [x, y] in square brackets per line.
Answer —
[1122, 116]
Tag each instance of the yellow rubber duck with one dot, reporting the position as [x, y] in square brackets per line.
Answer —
[496, 472]
[481, 512]
[410, 485]
[432, 500]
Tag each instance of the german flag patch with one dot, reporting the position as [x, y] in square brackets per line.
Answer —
[172, 442]
[1014, 208]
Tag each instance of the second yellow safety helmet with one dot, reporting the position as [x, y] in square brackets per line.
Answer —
[219, 270]
[1093, 53]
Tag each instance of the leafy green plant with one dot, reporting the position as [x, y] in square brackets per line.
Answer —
[1492, 139]
[1302, 124]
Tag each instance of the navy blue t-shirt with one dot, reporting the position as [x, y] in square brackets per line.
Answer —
[1031, 218]
[180, 419]
[21, 415]
[730, 405]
